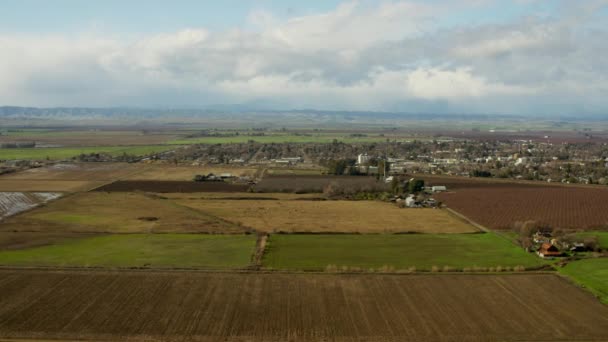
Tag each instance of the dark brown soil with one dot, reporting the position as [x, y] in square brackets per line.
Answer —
[172, 186]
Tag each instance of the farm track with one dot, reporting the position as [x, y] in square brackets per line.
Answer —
[260, 247]
[171, 306]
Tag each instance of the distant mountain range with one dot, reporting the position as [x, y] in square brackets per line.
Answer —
[241, 111]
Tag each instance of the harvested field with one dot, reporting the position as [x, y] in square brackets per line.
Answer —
[243, 196]
[172, 186]
[48, 185]
[68, 177]
[558, 207]
[330, 216]
[302, 183]
[78, 172]
[99, 212]
[312, 252]
[177, 306]
[12, 203]
[157, 172]
[140, 250]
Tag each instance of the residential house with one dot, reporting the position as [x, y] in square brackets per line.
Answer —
[548, 250]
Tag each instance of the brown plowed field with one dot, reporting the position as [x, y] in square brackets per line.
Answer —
[303, 183]
[172, 186]
[558, 207]
[167, 306]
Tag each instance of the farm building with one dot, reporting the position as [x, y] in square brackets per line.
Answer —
[548, 250]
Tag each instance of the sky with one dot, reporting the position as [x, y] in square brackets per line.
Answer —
[522, 57]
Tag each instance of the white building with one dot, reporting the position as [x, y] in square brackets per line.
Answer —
[362, 159]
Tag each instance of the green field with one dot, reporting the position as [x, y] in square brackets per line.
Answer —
[422, 251]
[601, 236]
[281, 138]
[139, 250]
[592, 274]
[69, 152]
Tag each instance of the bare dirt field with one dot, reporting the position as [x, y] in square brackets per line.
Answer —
[558, 207]
[459, 182]
[177, 306]
[172, 186]
[304, 183]
[99, 212]
[330, 216]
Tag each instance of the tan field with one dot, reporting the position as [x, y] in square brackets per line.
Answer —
[78, 172]
[48, 185]
[68, 177]
[330, 216]
[242, 196]
[99, 212]
[165, 172]
[180, 306]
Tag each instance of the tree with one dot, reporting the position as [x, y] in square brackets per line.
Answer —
[395, 186]
[592, 243]
[415, 185]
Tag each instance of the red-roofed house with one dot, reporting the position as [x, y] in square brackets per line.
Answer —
[548, 250]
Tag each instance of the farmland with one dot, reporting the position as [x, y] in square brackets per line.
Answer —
[12, 203]
[590, 273]
[400, 252]
[315, 183]
[98, 212]
[282, 138]
[329, 216]
[78, 172]
[172, 186]
[137, 306]
[87, 137]
[185, 173]
[602, 237]
[11, 185]
[21, 240]
[558, 207]
[72, 177]
[69, 152]
[140, 250]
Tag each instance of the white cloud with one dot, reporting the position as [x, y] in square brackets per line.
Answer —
[354, 57]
